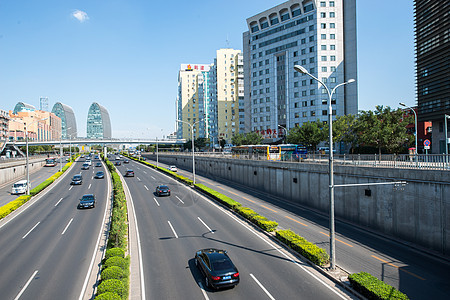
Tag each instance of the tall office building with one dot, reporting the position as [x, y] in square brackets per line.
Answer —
[193, 103]
[318, 35]
[68, 121]
[43, 103]
[227, 64]
[98, 122]
[432, 28]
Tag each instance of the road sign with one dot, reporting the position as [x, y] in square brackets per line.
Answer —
[427, 143]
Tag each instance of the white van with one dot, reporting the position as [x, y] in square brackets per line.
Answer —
[20, 187]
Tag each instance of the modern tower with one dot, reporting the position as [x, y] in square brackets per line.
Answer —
[68, 121]
[98, 122]
[432, 28]
[318, 35]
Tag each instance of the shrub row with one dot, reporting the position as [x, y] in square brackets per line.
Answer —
[365, 284]
[307, 249]
[373, 288]
[21, 200]
[116, 267]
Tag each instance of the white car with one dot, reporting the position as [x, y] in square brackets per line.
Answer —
[173, 168]
[20, 187]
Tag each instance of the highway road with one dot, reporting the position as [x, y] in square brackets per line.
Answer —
[47, 246]
[173, 228]
[414, 272]
[36, 178]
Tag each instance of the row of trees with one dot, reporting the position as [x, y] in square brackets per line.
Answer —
[383, 129]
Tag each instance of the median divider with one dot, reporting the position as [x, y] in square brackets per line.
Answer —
[364, 284]
[114, 282]
[8, 208]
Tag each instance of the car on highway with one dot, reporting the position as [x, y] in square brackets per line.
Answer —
[88, 161]
[85, 166]
[172, 168]
[117, 163]
[217, 267]
[77, 179]
[99, 164]
[117, 158]
[129, 173]
[99, 175]
[126, 161]
[20, 187]
[162, 190]
[87, 201]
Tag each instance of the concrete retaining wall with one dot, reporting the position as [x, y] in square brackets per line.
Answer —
[417, 213]
[17, 169]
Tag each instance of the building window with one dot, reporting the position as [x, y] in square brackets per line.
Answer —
[332, 14]
[311, 60]
[254, 65]
[303, 51]
[296, 115]
[260, 73]
[312, 92]
[333, 58]
[324, 91]
[323, 47]
[254, 83]
[303, 41]
[260, 82]
[333, 69]
[324, 79]
[260, 63]
[311, 49]
[324, 69]
[324, 112]
[323, 4]
[267, 99]
[296, 104]
[295, 74]
[332, 36]
[254, 47]
[311, 27]
[254, 56]
[323, 15]
[267, 71]
[267, 80]
[313, 102]
[295, 53]
[303, 61]
[267, 61]
[332, 47]
[313, 113]
[332, 25]
[322, 36]
[331, 3]
[305, 103]
[254, 74]
[303, 82]
[260, 54]
[267, 90]
[303, 93]
[323, 58]
[323, 25]
[304, 115]
[296, 84]
[333, 79]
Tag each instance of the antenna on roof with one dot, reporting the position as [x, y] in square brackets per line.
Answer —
[228, 42]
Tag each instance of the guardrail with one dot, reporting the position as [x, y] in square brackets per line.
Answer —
[400, 161]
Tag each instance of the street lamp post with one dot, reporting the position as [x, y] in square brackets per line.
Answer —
[302, 70]
[193, 156]
[415, 125]
[446, 138]
[26, 143]
[285, 133]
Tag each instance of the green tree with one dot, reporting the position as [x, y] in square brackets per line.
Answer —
[343, 130]
[310, 134]
[383, 128]
[250, 138]
[201, 143]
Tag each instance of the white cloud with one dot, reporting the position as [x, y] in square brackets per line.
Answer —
[80, 15]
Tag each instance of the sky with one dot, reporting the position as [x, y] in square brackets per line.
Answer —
[125, 54]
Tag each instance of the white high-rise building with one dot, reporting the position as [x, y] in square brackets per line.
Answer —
[318, 35]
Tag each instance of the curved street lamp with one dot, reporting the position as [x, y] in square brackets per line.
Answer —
[303, 70]
[415, 125]
[192, 131]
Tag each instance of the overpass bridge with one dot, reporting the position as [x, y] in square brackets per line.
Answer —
[97, 142]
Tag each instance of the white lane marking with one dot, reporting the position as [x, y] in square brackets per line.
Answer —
[26, 285]
[179, 199]
[70, 187]
[173, 230]
[93, 176]
[144, 172]
[67, 226]
[89, 186]
[138, 179]
[203, 291]
[31, 230]
[58, 202]
[146, 187]
[205, 225]
[262, 287]
[156, 201]
[154, 177]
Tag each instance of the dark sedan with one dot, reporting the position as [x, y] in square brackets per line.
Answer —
[99, 175]
[98, 164]
[77, 179]
[217, 267]
[162, 190]
[129, 173]
[87, 201]
[117, 163]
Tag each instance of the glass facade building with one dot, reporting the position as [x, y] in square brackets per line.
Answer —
[68, 121]
[20, 106]
[98, 122]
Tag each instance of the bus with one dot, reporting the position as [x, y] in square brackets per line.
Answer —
[257, 152]
[291, 152]
[50, 162]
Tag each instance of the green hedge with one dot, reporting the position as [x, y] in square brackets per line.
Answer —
[227, 201]
[307, 249]
[113, 272]
[114, 286]
[261, 221]
[108, 296]
[115, 252]
[373, 288]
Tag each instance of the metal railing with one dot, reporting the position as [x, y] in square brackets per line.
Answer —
[399, 161]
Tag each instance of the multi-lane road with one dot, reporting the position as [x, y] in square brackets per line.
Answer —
[173, 228]
[47, 246]
[414, 272]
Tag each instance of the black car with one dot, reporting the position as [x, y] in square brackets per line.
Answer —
[126, 161]
[217, 267]
[117, 163]
[162, 190]
[99, 175]
[77, 179]
[129, 173]
[87, 201]
[98, 164]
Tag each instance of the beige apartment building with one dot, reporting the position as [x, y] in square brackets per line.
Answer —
[41, 126]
